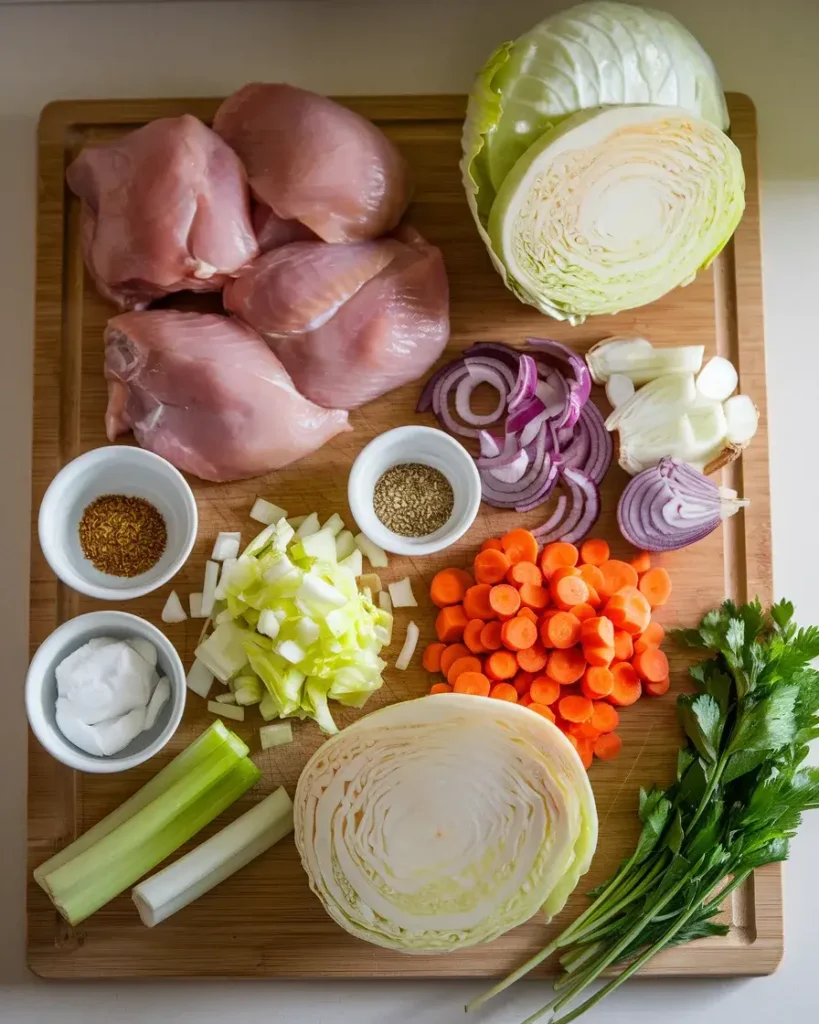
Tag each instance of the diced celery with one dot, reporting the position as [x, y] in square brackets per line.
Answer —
[266, 512]
[275, 735]
[223, 652]
[248, 690]
[282, 566]
[337, 621]
[268, 623]
[199, 678]
[225, 698]
[268, 708]
[306, 632]
[320, 597]
[291, 651]
[228, 710]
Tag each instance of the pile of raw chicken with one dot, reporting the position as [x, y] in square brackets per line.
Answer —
[290, 207]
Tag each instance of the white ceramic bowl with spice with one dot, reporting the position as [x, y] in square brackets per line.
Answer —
[414, 445]
[115, 470]
[41, 690]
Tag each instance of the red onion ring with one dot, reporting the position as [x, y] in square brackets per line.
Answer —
[526, 383]
[583, 510]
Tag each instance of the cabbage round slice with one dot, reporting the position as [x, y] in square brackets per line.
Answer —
[439, 823]
[614, 208]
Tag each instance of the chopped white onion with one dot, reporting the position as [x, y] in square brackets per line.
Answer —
[221, 589]
[742, 419]
[385, 601]
[308, 526]
[173, 610]
[619, 389]
[275, 735]
[376, 556]
[199, 678]
[209, 588]
[345, 544]
[268, 623]
[195, 603]
[354, 562]
[296, 521]
[225, 546]
[237, 714]
[266, 512]
[335, 524]
[407, 651]
[402, 595]
[718, 379]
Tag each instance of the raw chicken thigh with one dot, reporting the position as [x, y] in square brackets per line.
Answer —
[312, 160]
[352, 322]
[165, 209]
[207, 394]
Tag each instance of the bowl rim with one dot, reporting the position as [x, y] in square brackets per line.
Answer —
[102, 593]
[64, 751]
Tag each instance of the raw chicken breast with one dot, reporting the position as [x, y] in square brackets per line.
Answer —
[314, 161]
[389, 331]
[272, 231]
[165, 209]
[208, 395]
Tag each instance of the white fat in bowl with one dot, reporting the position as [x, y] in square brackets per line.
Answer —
[430, 447]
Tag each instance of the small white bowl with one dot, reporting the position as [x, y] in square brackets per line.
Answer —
[430, 447]
[41, 690]
[117, 469]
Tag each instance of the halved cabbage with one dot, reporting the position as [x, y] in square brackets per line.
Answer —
[442, 822]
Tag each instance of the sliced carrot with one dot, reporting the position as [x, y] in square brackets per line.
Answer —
[519, 546]
[432, 657]
[592, 575]
[641, 562]
[597, 682]
[501, 665]
[468, 664]
[472, 636]
[476, 602]
[522, 682]
[534, 596]
[451, 623]
[583, 730]
[616, 574]
[597, 632]
[652, 636]
[440, 688]
[545, 690]
[504, 600]
[659, 688]
[575, 709]
[451, 655]
[627, 687]
[655, 585]
[582, 611]
[651, 665]
[570, 738]
[558, 555]
[524, 572]
[608, 746]
[594, 599]
[527, 613]
[562, 630]
[623, 645]
[569, 591]
[474, 683]
[491, 636]
[566, 666]
[585, 748]
[449, 586]
[504, 691]
[629, 611]
[492, 544]
[604, 717]
[594, 551]
[598, 655]
[541, 709]
[533, 658]
[491, 566]
[518, 633]
[525, 700]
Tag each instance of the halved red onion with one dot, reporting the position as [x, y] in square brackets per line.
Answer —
[672, 505]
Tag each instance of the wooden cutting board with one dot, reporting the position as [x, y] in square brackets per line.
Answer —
[265, 922]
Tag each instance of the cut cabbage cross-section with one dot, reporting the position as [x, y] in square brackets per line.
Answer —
[614, 208]
[439, 823]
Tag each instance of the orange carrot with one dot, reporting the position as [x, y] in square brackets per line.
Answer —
[476, 602]
[616, 574]
[440, 688]
[655, 585]
[432, 657]
[628, 611]
[597, 682]
[525, 700]
[583, 730]
[582, 611]
[491, 566]
[522, 682]
[594, 599]
[592, 576]
[519, 546]
[491, 636]
[472, 636]
[652, 636]
[570, 738]
[627, 687]
[504, 691]
[504, 600]
[607, 747]
[575, 709]
[604, 717]
[519, 633]
[651, 665]
[534, 596]
[501, 665]
[468, 664]
[558, 555]
[541, 709]
[527, 613]
[597, 632]
[623, 646]
[524, 572]
[475, 683]
[451, 655]
[585, 748]
[569, 591]
[451, 623]
[659, 688]
[566, 666]
[562, 629]
[533, 658]
[449, 586]
[545, 690]
[641, 562]
[594, 551]
[492, 544]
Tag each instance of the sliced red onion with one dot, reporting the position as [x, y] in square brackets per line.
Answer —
[491, 362]
[532, 428]
[582, 510]
[480, 374]
[526, 383]
[516, 469]
[579, 387]
[601, 445]
[554, 518]
[672, 505]
[507, 451]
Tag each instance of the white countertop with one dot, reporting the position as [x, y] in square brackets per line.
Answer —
[766, 48]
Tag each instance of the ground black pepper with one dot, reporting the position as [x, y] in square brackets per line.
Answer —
[413, 500]
[122, 536]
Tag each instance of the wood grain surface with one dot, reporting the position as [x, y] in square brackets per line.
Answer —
[265, 922]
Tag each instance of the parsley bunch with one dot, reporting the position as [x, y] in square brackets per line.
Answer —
[737, 800]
